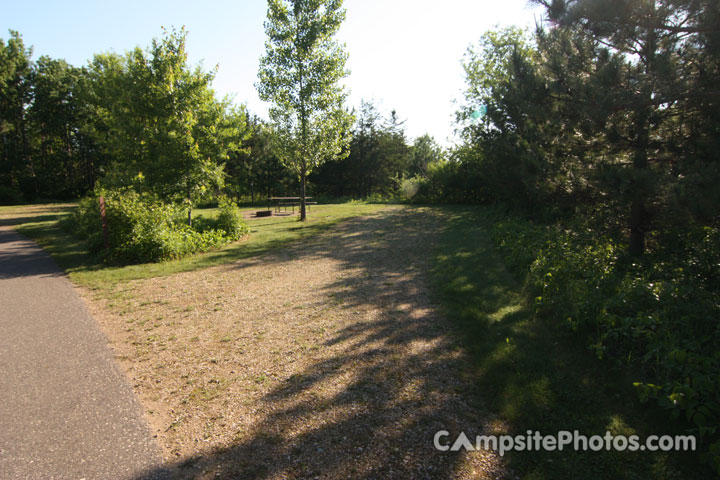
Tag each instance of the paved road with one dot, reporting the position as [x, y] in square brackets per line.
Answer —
[66, 410]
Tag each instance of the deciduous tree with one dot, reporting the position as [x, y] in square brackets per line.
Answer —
[300, 75]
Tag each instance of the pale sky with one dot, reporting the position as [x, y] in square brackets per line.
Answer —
[404, 54]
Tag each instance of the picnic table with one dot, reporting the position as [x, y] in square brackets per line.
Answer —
[285, 202]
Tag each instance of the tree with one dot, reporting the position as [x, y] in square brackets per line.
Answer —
[255, 169]
[17, 167]
[424, 152]
[512, 147]
[300, 76]
[377, 160]
[64, 150]
[655, 102]
[164, 125]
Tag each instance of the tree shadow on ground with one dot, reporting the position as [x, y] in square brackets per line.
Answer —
[20, 257]
[381, 385]
[537, 375]
[385, 381]
[12, 216]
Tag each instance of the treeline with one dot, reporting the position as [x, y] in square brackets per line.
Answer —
[380, 162]
[148, 120]
[143, 117]
[48, 148]
[610, 113]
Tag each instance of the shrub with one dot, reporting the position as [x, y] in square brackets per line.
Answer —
[141, 228]
[230, 219]
[409, 187]
[658, 314]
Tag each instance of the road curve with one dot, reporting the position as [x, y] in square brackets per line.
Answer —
[66, 410]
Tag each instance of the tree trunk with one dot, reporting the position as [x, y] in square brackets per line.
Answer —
[303, 182]
[642, 190]
[28, 155]
[638, 213]
[637, 228]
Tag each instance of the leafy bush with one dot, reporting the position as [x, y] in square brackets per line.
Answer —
[141, 228]
[409, 187]
[450, 182]
[659, 313]
[230, 219]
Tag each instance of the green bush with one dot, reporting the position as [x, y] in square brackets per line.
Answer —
[230, 219]
[409, 187]
[141, 229]
[658, 314]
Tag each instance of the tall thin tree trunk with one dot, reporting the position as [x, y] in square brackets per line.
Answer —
[638, 212]
[642, 192]
[303, 183]
[28, 155]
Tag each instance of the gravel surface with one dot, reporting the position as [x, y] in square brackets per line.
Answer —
[66, 409]
[327, 359]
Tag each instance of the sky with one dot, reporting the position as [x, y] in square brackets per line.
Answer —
[405, 55]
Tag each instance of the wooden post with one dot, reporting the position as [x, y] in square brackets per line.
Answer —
[104, 223]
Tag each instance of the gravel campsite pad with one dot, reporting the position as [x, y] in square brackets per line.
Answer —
[325, 359]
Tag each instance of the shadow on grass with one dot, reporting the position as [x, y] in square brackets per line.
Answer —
[537, 376]
[69, 252]
[405, 361]
[380, 387]
[516, 373]
[42, 223]
[19, 220]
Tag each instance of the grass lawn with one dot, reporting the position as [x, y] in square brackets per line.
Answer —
[536, 377]
[42, 224]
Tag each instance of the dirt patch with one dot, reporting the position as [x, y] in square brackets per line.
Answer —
[324, 360]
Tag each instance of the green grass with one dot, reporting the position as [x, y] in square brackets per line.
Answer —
[535, 376]
[42, 224]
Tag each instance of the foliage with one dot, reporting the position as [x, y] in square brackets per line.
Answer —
[142, 228]
[10, 195]
[230, 220]
[163, 121]
[16, 169]
[409, 188]
[255, 170]
[658, 314]
[423, 153]
[534, 375]
[300, 75]
[596, 126]
[378, 159]
[145, 113]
